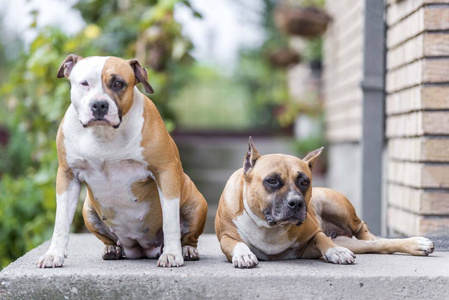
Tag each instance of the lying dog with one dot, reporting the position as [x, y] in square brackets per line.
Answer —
[267, 212]
[139, 201]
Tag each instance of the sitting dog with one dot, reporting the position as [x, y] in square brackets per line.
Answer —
[139, 202]
[267, 212]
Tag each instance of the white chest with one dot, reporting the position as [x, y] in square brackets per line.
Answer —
[262, 240]
[109, 160]
[111, 181]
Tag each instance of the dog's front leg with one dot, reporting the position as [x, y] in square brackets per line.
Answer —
[329, 250]
[238, 253]
[169, 187]
[67, 194]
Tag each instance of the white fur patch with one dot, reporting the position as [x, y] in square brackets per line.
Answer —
[253, 216]
[65, 210]
[172, 255]
[242, 257]
[262, 238]
[339, 255]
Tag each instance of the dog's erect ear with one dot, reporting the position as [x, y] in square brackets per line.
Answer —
[67, 65]
[251, 156]
[311, 157]
[141, 75]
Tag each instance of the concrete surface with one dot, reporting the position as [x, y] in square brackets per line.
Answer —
[86, 276]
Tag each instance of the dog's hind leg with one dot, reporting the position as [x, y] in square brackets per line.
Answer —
[415, 246]
[95, 225]
[193, 219]
[337, 215]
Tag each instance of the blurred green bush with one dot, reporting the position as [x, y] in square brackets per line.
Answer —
[34, 102]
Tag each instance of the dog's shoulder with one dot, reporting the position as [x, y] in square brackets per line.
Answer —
[231, 198]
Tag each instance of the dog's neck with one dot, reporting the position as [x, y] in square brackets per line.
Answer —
[258, 221]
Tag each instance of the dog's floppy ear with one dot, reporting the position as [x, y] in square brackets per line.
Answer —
[250, 158]
[141, 75]
[67, 65]
[311, 157]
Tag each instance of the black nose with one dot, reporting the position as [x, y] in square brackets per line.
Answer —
[99, 109]
[295, 203]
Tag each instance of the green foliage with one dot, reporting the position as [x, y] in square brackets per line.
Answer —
[266, 84]
[34, 102]
[313, 51]
[20, 226]
[271, 103]
[310, 143]
[211, 101]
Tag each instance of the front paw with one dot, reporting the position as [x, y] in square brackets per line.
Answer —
[51, 260]
[242, 257]
[339, 255]
[168, 260]
[421, 246]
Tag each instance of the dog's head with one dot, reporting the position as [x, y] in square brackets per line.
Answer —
[102, 88]
[277, 187]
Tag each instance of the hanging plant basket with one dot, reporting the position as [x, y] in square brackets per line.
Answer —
[303, 21]
[284, 58]
[153, 48]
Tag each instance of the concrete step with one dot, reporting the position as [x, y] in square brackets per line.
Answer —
[86, 276]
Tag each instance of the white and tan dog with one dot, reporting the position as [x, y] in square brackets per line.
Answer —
[267, 212]
[139, 202]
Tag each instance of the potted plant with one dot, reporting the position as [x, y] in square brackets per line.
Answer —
[284, 58]
[309, 21]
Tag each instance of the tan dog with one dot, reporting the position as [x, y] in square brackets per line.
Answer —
[139, 201]
[267, 212]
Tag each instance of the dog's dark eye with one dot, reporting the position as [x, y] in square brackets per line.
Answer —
[118, 85]
[272, 181]
[84, 83]
[304, 182]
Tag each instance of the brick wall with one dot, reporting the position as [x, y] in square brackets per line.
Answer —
[343, 72]
[417, 116]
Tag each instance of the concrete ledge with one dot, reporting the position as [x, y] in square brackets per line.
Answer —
[86, 276]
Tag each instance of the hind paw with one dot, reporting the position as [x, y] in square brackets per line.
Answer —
[190, 253]
[112, 252]
[421, 246]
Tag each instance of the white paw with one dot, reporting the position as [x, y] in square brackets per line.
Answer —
[51, 260]
[242, 257]
[168, 260]
[421, 246]
[190, 253]
[339, 255]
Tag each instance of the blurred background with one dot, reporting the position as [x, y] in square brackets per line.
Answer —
[294, 74]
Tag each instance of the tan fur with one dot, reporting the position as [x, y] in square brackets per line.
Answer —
[115, 67]
[329, 213]
[65, 174]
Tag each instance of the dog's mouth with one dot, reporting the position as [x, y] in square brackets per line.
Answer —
[100, 122]
[291, 220]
